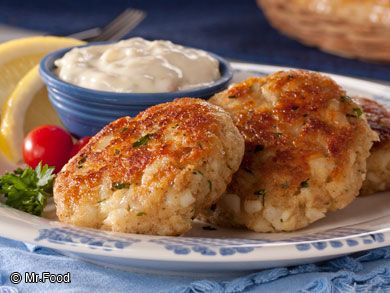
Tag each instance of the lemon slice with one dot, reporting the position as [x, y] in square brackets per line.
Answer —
[27, 107]
[17, 57]
[23, 96]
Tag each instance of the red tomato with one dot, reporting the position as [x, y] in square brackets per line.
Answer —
[79, 145]
[49, 144]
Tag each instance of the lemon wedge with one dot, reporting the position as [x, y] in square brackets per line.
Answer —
[23, 96]
[26, 108]
[17, 57]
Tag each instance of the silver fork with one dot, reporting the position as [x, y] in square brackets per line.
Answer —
[115, 30]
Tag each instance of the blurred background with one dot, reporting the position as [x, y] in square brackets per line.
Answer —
[234, 29]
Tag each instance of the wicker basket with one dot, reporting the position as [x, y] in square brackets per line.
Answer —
[363, 34]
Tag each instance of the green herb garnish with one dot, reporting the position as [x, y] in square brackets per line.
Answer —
[285, 185]
[358, 112]
[305, 184]
[141, 214]
[290, 76]
[345, 99]
[195, 172]
[28, 189]
[260, 192]
[81, 161]
[278, 134]
[142, 141]
[119, 185]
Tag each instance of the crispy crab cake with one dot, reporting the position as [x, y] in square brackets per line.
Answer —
[378, 163]
[306, 146]
[151, 174]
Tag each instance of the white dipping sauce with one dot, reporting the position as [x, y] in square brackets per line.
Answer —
[138, 66]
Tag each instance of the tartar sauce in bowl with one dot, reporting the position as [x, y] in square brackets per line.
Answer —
[138, 66]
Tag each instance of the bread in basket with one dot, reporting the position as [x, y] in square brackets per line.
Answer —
[350, 28]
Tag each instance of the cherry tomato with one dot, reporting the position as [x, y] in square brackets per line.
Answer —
[49, 144]
[79, 145]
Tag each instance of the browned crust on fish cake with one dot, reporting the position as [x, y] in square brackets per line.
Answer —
[287, 119]
[302, 94]
[378, 117]
[185, 133]
[378, 164]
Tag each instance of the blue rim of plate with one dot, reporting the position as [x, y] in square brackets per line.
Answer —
[47, 67]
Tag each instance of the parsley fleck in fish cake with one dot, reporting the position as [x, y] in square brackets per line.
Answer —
[378, 163]
[306, 145]
[151, 174]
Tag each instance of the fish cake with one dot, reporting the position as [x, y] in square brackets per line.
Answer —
[306, 145]
[378, 163]
[151, 174]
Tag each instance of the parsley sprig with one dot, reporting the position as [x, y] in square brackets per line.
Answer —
[28, 189]
[142, 141]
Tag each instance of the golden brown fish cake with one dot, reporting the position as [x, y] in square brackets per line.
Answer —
[306, 145]
[378, 163]
[151, 174]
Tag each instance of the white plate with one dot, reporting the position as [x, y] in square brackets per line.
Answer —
[365, 224]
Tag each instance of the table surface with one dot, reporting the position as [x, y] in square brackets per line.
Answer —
[231, 28]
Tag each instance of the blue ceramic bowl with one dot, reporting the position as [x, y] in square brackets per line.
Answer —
[85, 111]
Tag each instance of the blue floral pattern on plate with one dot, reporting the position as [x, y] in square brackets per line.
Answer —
[208, 246]
[211, 246]
[321, 245]
[93, 240]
